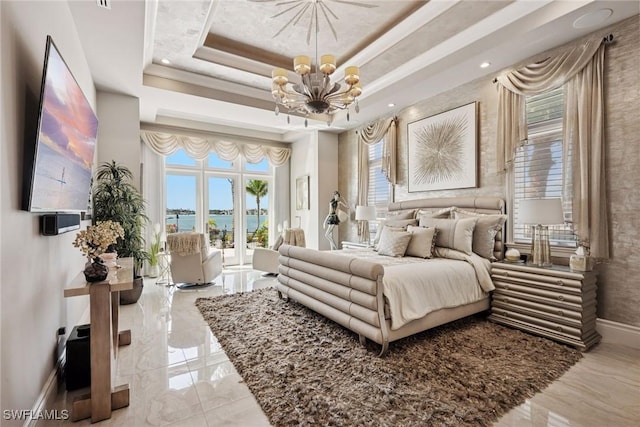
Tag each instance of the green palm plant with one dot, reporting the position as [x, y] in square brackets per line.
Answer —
[259, 189]
[115, 198]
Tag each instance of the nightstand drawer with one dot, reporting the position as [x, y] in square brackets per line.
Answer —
[560, 317]
[537, 278]
[540, 323]
[569, 311]
[559, 286]
[551, 294]
[554, 304]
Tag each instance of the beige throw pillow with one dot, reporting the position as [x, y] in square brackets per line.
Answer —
[395, 223]
[423, 240]
[410, 214]
[484, 235]
[452, 233]
[394, 243]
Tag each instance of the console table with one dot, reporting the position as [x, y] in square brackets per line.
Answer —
[104, 302]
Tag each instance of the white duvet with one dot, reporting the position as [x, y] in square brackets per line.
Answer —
[415, 287]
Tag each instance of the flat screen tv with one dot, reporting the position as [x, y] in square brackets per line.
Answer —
[58, 174]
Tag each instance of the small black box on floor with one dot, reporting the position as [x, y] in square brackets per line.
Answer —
[78, 360]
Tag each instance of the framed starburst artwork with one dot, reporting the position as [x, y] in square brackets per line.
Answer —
[443, 150]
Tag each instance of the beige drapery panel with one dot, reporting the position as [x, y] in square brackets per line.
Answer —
[385, 130]
[199, 148]
[579, 68]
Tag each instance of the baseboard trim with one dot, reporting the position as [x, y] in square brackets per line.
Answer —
[618, 333]
[50, 388]
[49, 391]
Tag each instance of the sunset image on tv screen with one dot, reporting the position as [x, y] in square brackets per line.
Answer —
[66, 142]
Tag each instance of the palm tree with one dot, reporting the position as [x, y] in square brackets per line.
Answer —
[259, 189]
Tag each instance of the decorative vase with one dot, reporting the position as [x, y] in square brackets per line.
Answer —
[109, 258]
[154, 271]
[96, 271]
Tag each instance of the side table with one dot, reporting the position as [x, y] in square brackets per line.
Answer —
[554, 302]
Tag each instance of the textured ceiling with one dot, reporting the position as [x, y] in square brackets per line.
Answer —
[222, 52]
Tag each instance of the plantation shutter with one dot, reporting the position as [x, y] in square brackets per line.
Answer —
[537, 166]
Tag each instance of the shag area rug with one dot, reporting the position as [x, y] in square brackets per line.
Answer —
[304, 369]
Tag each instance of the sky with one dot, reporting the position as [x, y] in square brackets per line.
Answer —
[181, 189]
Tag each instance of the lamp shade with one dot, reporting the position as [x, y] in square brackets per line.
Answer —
[365, 213]
[541, 211]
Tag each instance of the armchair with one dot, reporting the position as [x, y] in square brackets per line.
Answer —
[266, 259]
[193, 263]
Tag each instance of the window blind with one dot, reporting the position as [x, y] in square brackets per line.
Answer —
[537, 167]
[379, 187]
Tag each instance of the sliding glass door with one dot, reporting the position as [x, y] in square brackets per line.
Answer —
[222, 216]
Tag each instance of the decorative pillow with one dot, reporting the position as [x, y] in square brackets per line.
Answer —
[410, 214]
[396, 223]
[441, 213]
[394, 243]
[423, 239]
[484, 235]
[452, 233]
[382, 230]
[278, 243]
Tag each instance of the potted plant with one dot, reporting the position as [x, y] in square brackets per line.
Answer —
[116, 199]
[154, 250]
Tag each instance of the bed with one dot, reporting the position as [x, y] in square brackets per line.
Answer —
[381, 298]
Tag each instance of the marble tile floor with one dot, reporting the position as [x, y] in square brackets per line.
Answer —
[179, 375]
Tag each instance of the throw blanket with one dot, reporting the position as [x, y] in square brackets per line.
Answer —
[415, 287]
[294, 237]
[184, 243]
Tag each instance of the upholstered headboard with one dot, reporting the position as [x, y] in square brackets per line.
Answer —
[482, 205]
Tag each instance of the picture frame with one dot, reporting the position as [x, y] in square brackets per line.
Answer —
[302, 193]
[442, 150]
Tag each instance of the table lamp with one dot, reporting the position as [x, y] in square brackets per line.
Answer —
[540, 213]
[365, 213]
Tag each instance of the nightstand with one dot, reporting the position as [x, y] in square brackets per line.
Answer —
[355, 245]
[553, 302]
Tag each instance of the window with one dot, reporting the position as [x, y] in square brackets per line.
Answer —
[379, 187]
[537, 167]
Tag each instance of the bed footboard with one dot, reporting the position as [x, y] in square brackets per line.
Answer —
[344, 289]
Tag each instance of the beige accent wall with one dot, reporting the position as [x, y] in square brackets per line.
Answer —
[35, 268]
[619, 292]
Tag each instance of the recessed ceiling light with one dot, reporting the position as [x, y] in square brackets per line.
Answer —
[391, 104]
[485, 64]
[165, 61]
[592, 18]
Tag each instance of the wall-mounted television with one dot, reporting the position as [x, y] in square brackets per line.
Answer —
[58, 174]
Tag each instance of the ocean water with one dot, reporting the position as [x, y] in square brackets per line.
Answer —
[187, 222]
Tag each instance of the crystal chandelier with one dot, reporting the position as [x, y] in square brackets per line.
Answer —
[316, 94]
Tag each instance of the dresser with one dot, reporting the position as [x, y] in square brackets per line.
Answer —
[553, 302]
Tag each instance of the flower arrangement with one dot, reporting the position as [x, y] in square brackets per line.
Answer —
[155, 246]
[97, 238]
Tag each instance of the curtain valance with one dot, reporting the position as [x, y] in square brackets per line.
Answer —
[199, 148]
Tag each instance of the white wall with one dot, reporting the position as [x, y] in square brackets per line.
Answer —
[35, 268]
[327, 179]
[315, 154]
[119, 131]
[303, 162]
